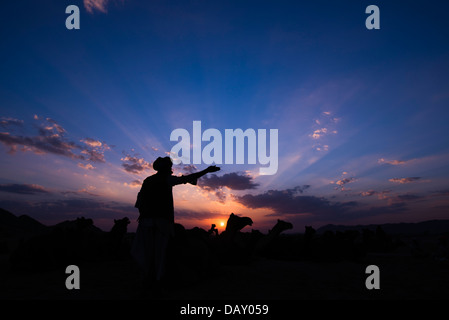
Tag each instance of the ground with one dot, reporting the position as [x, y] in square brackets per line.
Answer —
[401, 277]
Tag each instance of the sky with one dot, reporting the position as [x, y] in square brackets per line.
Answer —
[361, 115]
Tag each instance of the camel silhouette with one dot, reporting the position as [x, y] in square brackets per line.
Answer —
[236, 223]
[265, 241]
[70, 242]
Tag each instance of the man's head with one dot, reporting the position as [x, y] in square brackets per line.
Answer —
[163, 165]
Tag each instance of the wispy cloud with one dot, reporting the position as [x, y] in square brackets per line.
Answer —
[23, 188]
[325, 125]
[94, 143]
[87, 166]
[99, 5]
[380, 194]
[404, 180]
[392, 162]
[84, 191]
[133, 184]
[96, 5]
[6, 122]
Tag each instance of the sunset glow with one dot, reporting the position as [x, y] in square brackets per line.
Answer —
[361, 114]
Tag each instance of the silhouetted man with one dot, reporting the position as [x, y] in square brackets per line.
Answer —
[156, 219]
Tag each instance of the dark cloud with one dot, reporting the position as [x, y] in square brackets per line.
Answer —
[51, 138]
[302, 209]
[233, 181]
[443, 193]
[94, 155]
[79, 192]
[187, 168]
[134, 164]
[409, 197]
[393, 208]
[23, 188]
[40, 144]
[290, 201]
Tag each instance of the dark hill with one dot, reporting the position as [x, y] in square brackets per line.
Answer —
[418, 228]
[23, 223]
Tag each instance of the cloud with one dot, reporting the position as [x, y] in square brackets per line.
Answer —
[53, 126]
[444, 193]
[96, 5]
[292, 202]
[368, 193]
[405, 180]
[233, 181]
[319, 133]
[391, 197]
[302, 209]
[83, 191]
[392, 162]
[342, 183]
[94, 155]
[393, 208]
[380, 194]
[408, 197]
[96, 151]
[93, 143]
[23, 188]
[320, 147]
[134, 164]
[133, 184]
[6, 122]
[44, 143]
[51, 138]
[324, 127]
[187, 168]
[86, 166]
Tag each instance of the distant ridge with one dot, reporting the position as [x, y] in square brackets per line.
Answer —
[424, 227]
[25, 223]
[22, 223]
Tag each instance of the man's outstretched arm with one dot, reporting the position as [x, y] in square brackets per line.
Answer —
[193, 177]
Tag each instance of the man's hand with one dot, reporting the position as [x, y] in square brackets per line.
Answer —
[213, 169]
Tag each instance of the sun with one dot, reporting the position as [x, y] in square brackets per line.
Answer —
[222, 224]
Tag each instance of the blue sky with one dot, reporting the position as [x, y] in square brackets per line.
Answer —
[362, 114]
